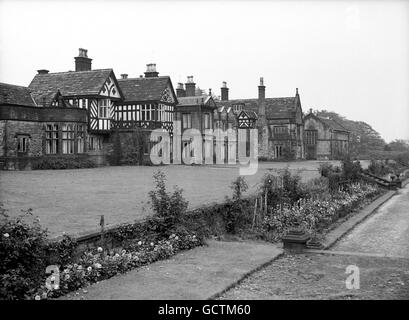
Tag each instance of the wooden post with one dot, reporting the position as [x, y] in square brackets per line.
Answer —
[102, 225]
[254, 215]
[265, 203]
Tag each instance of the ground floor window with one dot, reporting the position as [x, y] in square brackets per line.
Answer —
[95, 143]
[22, 143]
[80, 138]
[68, 138]
[51, 136]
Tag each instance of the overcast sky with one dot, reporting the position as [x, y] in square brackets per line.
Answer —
[348, 57]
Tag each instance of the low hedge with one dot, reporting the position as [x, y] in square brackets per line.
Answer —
[62, 162]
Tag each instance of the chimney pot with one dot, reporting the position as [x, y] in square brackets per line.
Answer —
[124, 76]
[43, 71]
[296, 91]
[83, 53]
[151, 70]
[261, 90]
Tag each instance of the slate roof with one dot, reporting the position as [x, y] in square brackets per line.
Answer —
[276, 108]
[333, 124]
[193, 101]
[144, 89]
[16, 95]
[71, 83]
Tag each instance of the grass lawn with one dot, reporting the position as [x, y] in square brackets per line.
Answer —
[72, 201]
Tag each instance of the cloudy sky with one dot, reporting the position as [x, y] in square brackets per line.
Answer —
[348, 57]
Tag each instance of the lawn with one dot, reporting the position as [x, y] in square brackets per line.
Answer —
[72, 201]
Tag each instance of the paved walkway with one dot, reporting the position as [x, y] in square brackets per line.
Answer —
[386, 232]
[200, 273]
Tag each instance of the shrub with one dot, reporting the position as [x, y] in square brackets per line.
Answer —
[66, 162]
[168, 208]
[22, 255]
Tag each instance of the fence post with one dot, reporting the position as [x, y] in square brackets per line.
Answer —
[102, 225]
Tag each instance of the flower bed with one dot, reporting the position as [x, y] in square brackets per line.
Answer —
[316, 214]
[97, 264]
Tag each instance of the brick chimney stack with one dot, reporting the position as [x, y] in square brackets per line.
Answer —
[261, 90]
[151, 71]
[124, 76]
[261, 98]
[225, 91]
[82, 62]
[190, 87]
[180, 90]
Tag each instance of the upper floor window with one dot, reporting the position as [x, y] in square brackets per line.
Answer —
[238, 107]
[83, 103]
[206, 120]
[280, 130]
[186, 121]
[103, 108]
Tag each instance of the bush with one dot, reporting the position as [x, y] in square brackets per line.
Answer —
[168, 208]
[65, 162]
[351, 169]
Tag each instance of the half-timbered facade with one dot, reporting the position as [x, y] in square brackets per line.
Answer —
[148, 104]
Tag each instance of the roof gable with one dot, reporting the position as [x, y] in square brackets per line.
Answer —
[72, 83]
[329, 123]
[146, 89]
[276, 108]
[16, 95]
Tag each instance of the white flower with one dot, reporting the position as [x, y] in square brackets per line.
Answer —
[177, 238]
[79, 268]
[139, 243]
[152, 244]
[6, 235]
[98, 265]
[37, 297]
[123, 252]
[99, 249]
[89, 269]
[67, 277]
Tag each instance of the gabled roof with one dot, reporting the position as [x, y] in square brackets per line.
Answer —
[195, 100]
[16, 95]
[333, 124]
[250, 114]
[144, 89]
[71, 83]
[276, 108]
[330, 123]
